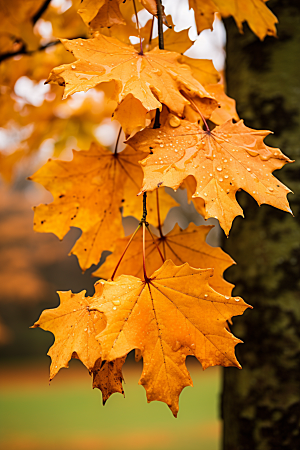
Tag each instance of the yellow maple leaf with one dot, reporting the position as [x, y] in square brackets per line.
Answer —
[171, 314]
[222, 161]
[180, 246]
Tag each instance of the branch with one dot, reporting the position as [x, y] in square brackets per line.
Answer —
[24, 51]
[40, 12]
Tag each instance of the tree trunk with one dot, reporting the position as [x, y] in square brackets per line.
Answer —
[261, 403]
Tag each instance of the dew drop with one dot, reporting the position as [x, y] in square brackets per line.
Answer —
[248, 168]
[114, 308]
[227, 298]
[226, 176]
[270, 189]
[73, 67]
[205, 194]
[116, 302]
[161, 145]
[174, 121]
[237, 299]
[156, 71]
[219, 169]
[252, 152]
[205, 295]
[221, 179]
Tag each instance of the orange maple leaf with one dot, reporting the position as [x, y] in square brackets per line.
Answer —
[75, 327]
[153, 78]
[88, 193]
[173, 313]
[179, 245]
[222, 161]
[260, 19]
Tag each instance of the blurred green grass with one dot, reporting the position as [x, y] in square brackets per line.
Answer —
[69, 414]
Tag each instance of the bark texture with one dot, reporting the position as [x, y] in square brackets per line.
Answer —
[261, 403]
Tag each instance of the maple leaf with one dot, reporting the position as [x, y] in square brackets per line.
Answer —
[170, 315]
[88, 193]
[75, 328]
[258, 16]
[154, 78]
[108, 377]
[179, 245]
[222, 161]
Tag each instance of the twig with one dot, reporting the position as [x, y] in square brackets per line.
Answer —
[160, 25]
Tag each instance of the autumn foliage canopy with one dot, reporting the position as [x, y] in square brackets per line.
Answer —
[162, 295]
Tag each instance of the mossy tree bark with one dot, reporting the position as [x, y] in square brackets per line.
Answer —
[261, 403]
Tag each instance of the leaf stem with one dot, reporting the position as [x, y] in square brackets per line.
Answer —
[151, 31]
[160, 25]
[198, 110]
[126, 248]
[117, 141]
[144, 253]
[155, 243]
[138, 27]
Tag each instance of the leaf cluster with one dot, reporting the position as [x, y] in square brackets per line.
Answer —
[162, 295]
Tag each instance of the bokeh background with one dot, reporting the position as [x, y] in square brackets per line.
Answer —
[36, 125]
